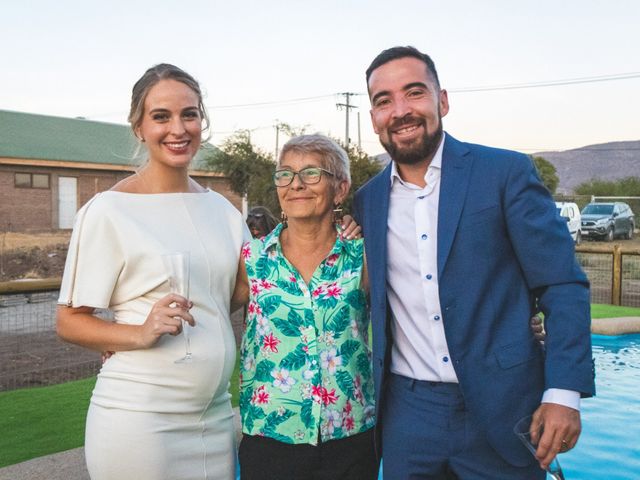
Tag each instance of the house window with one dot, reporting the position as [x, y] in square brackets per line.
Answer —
[32, 180]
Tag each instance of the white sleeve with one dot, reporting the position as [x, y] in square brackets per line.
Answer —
[94, 259]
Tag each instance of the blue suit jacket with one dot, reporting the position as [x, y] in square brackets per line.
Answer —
[502, 249]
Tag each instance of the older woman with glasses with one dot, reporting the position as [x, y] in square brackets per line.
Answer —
[306, 390]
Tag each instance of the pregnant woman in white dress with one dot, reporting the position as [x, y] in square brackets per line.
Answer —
[149, 417]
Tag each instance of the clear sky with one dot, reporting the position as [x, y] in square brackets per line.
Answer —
[81, 57]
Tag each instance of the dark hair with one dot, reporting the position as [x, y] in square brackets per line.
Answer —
[162, 71]
[395, 53]
[260, 218]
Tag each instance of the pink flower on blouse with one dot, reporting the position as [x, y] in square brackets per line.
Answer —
[349, 423]
[270, 342]
[266, 284]
[246, 251]
[334, 291]
[329, 397]
[317, 292]
[260, 396]
[255, 288]
[331, 259]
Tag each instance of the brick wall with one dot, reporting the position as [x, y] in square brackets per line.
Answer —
[23, 209]
[31, 209]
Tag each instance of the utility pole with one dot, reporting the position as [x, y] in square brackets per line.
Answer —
[359, 140]
[277, 125]
[347, 106]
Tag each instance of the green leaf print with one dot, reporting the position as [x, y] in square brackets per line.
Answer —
[277, 436]
[291, 326]
[309, 319]
[245, 398]
[329, 273]
[294, 360]
[339, 322]
[263, 371]
[251, 329]
[345, 382]
[271, 424]
[356, 299]
[269, 304]
[363, 364]
[263, 268]
[306, 413]
[250, 270]
[347, 349]
[289, 287]
[253, 413]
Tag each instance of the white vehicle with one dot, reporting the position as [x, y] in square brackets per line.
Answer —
[571, 213]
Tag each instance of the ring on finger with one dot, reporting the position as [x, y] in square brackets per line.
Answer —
[564, 447]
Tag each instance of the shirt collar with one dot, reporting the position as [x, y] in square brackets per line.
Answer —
[272, 240]
[436, 162]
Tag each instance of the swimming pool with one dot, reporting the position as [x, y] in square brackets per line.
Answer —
[609, 447]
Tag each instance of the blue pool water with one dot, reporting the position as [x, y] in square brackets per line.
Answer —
[609, 447]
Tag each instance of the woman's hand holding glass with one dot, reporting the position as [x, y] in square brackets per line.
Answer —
[165, 318]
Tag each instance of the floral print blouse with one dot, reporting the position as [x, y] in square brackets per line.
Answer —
[305, 370]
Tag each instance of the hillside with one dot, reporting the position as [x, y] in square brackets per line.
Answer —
[605, 161]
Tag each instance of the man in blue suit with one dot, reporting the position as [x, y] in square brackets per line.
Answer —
[463, 244]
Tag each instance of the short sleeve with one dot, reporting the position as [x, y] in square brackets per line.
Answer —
[94, 259]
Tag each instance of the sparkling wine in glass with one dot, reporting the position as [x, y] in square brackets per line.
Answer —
[523, 430]
[176, 265]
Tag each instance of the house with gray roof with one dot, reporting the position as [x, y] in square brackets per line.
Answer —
[50, 166]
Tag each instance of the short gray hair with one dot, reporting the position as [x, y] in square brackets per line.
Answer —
[333, 157]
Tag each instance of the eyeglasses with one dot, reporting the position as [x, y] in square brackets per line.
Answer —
[308, 176]
[255, 215]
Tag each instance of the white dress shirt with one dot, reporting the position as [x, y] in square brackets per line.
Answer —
[419, 349]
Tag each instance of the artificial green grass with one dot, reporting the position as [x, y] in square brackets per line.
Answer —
[39, 421]
[45, 420]
[611, 311]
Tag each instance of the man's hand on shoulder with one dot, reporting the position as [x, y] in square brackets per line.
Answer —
[561, 431]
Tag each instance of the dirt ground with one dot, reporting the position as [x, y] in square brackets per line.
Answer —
[42, 255]
[32, 256]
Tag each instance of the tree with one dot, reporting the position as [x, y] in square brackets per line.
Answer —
[547, 173]
[248, 169]
[624, 187]
[363, 167]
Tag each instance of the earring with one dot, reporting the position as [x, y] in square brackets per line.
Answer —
[283, 219]
[337, 213]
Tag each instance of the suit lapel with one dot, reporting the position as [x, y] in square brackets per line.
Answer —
[376, 233]
[456, 170]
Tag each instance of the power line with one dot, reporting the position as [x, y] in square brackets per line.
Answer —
[548, 83]
[473, 89]
[265, 104]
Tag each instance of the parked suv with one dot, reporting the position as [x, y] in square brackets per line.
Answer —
[571, 213]
[607, 221]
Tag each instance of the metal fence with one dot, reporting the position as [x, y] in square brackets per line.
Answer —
[31, 354]
[614, 273]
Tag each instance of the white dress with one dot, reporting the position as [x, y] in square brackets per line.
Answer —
[151, 418]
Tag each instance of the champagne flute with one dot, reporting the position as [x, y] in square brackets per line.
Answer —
[176, 265]
[523, 430]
